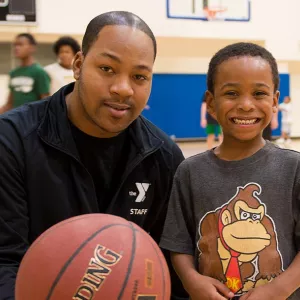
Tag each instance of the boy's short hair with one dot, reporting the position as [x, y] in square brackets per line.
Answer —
[240, 50]
[66, 41]
[29, 37]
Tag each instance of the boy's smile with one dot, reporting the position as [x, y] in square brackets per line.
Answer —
[245, 121]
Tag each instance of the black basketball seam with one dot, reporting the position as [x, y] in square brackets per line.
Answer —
[66, 265]
[159, 259]
[130, 263]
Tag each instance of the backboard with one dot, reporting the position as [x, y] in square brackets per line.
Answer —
[18, 12]
[206, 10]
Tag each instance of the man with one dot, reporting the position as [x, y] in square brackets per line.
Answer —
[28, 82]
[86, 149]
[61, 72]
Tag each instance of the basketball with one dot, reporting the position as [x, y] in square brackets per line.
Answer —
[94, 256]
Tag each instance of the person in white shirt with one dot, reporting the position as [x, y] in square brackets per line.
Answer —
[286, 121]
[61, 72]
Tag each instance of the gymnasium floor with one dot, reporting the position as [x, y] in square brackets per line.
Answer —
[192, 148]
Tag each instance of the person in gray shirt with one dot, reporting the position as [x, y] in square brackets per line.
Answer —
[233, 225]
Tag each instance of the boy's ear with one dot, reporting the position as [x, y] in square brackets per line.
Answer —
[275, 101]
[210, 103]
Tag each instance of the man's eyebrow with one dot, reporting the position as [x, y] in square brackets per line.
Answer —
[111, 56]
[117, 59]
[143, 67]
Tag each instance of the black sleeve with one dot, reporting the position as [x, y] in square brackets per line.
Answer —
[296, 210]
[177, 236]
[13, 213]
[178, 292]
[177, 158]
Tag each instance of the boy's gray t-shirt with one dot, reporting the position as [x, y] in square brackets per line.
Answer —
[240, 219]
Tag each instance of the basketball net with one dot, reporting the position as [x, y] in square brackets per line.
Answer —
[214, 13]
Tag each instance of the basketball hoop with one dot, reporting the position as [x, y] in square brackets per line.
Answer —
[214, 13]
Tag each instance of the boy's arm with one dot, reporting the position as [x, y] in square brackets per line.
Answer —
[198, 286]
[203, 115]
[274, 121]
[288, 281]
[281, 287]
[42, 84]
[178, 237]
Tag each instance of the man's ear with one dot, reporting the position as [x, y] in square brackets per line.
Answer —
[77, 64]
[210, 104]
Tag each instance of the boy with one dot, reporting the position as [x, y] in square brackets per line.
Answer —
[213, 129]
[61, 72]
[29, 81]
[286, 121]
[238, 235]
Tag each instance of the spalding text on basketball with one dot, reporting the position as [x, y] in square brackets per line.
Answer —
[99, 268]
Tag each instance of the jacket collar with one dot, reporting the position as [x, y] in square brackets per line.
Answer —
[55, 128]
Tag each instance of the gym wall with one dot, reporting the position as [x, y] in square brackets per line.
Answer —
[184, 49]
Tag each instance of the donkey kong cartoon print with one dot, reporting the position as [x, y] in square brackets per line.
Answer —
[238, 242]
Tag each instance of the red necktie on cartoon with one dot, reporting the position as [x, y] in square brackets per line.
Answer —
[233, 274]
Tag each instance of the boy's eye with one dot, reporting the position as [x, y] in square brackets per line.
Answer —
[231, 93]
[140, 77]
[260, 94]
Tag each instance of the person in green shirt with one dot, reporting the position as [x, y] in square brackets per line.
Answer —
[29, 81]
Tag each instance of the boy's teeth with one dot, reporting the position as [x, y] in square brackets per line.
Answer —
[244, 122]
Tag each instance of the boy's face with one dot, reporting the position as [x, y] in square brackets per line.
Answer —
[244, 99]
[66, 56]
[23, 48]
[286, 100]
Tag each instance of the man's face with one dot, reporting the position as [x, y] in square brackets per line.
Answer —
[23, 48]
[114, 80]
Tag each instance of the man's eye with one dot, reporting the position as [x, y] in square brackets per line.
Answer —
[106, 69]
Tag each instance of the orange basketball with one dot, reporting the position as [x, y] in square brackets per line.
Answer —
[94, 256]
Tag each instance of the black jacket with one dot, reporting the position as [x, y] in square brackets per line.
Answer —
[43, 182]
